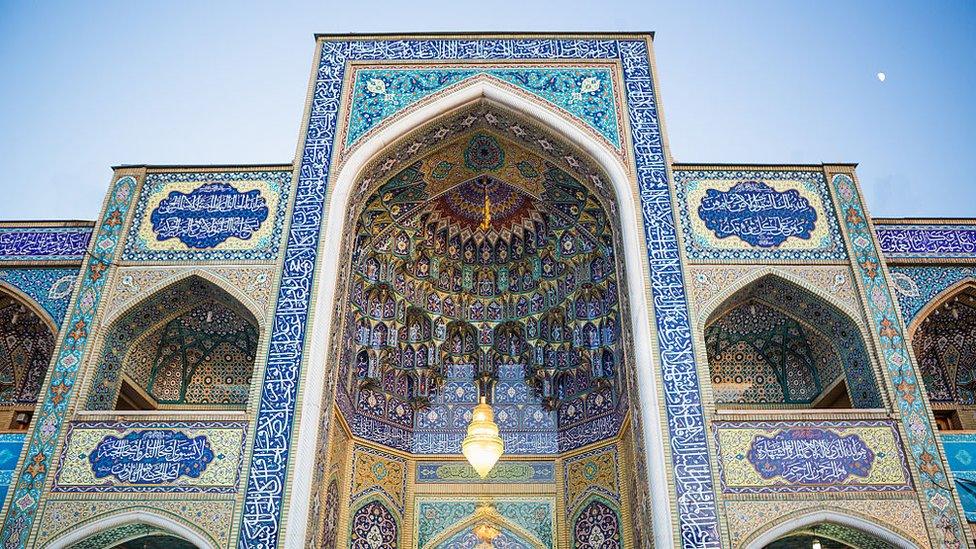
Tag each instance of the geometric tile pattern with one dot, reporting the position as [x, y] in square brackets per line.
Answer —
[10, 446]
[217, 331]
[920, 435]
[821, 334]
[437, 516]
[916, 286]
[945, 348]
[748, 518]
[374, 527]
[685, 414]
[375, 471]
[534, 288]
[50, 415]
[26, 346]
[595, 471]
[211, 518]
[49, 288]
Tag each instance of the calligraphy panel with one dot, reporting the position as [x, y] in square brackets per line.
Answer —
[209, 216]
[928, 241]
[813, 456]
[44, 243]
[506, 472]
[752, 214]
[123, 456]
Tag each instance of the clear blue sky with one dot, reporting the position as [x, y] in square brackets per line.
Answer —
[87, 85]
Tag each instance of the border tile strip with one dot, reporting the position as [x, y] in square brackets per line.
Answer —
[49, 417]
[910, 400]
[44, 243]
[262, 514]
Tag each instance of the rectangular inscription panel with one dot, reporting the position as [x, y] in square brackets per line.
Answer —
[152, 456]
[821, 456]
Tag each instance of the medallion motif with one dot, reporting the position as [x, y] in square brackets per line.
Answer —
[758, 214]
[209, 215]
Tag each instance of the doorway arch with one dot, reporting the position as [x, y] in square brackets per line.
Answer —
[792, 523]
[141, 516]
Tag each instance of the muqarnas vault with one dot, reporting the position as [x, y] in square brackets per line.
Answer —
[672, 355]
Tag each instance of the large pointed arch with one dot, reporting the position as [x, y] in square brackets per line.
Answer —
[137, 516]
[796, 521]
[344, 184]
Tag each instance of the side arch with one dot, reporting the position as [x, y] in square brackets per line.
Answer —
[141, 515]
[123, 333]
[968, 283]
[712, 305]
[858, 358]
[30, 303]
[344, 181]
[791, 522]
[135, 302]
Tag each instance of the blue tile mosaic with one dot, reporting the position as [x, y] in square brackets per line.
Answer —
[759, 222]
[43, 244]
[917, 286]
[694, 490]
[49, 288]
[926, 241]
[209, 216]
[11, 445]
[586, 93]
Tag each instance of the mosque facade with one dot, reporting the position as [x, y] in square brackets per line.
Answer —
[675, 355]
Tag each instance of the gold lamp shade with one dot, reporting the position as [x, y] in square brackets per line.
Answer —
[482, 446]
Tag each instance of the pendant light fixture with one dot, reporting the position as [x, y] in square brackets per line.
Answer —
[482, 446]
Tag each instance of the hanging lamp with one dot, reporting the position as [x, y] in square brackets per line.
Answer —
[482, 446]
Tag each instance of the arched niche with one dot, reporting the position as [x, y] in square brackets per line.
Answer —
[27, 340]
[773, 343]
[483, 237]
[944, 342]
[189, 345]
